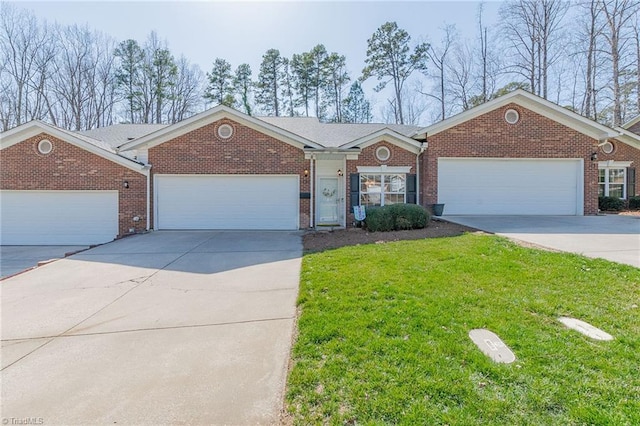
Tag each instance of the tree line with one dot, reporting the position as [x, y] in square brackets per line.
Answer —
[583, 55]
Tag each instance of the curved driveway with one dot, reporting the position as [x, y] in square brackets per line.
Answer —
[162, 328]
[611, 237]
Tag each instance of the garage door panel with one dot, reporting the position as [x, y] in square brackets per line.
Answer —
[58, 217]
[227, 202]
[510, 186]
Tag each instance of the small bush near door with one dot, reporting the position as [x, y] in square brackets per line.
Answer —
[396, 217]
[611, 204]
[634, 203]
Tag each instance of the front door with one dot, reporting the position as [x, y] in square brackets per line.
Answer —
[329, 201]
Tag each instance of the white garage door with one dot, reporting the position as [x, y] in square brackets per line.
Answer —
[226, 202]
[58, 217]
[510, 186]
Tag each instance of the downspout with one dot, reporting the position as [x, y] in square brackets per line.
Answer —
[148, 167]
[422, 149]
[312, 200]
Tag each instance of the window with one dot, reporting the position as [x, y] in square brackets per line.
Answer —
[383, 153]
[511, 116]
[225, 131]
[45, 146]
[607, 147]
[382, 189]
[611, 182]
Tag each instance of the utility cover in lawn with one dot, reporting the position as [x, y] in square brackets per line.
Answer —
[492, 346]
[585, 328]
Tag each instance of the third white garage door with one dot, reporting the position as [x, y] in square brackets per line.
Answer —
[473, 186]
[226, 202]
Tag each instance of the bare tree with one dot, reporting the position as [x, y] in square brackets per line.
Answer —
[25, 51]
[619, 15]
[83, 81]
[439, 57]
[184, 92]
[460, 79]
[533, 30]
[636, 33]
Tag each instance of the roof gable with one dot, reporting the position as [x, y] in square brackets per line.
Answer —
[211, 116]
[386, 135]
[34, 128]
[628, 138]
[631, 122]
[531, 102]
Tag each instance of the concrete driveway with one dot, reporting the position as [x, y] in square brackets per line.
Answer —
[163, 328]
[14, 259]
[615, 238]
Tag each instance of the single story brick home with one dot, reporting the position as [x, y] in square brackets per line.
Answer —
[221, 169]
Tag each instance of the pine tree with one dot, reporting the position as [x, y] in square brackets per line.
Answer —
[356, 107]
[130, 55]
[242, 85]
[220, 88]
[268, 93]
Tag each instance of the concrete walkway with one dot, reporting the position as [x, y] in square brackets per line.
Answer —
[163, 328]
[612, 237]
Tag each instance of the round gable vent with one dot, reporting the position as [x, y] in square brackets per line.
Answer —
[607, 147]
[383, 153]
[225, 131]
[511, 116]
[45, 146]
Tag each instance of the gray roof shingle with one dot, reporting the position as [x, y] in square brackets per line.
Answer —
[330, 135]
[333, 135]
[119, 134]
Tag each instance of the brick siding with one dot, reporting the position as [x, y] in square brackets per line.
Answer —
[248, 151]
[399, 157]
[490, 136]
[624, 152]
[635, 128]
[67, 167]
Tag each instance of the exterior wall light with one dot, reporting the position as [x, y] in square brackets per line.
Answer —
[594, 156]
[340, 173]
[125, 184]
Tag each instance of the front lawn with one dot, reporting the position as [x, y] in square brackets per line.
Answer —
[383, 336]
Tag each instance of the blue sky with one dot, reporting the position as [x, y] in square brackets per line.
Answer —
[242, 31]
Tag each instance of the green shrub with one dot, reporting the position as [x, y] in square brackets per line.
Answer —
[634, 203]
[614, 204]
[396, 217]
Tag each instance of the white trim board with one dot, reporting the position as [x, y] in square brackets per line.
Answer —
[384, 169]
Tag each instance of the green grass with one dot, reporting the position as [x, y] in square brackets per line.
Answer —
[383, 336]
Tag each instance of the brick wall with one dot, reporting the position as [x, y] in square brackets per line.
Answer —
[248, 151]
[67, 167]
[399, 157]
[624, 152]
[635, 128]
[489, 135]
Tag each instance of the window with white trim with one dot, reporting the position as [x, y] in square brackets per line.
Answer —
[382, 189]
[612, 182]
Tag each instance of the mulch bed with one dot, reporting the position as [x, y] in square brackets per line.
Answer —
[319, 240]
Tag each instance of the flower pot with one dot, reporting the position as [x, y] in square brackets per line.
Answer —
[437, 209]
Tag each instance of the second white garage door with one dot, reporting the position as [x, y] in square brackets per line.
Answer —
[226, 202]
[473, 186]
[58, 217]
